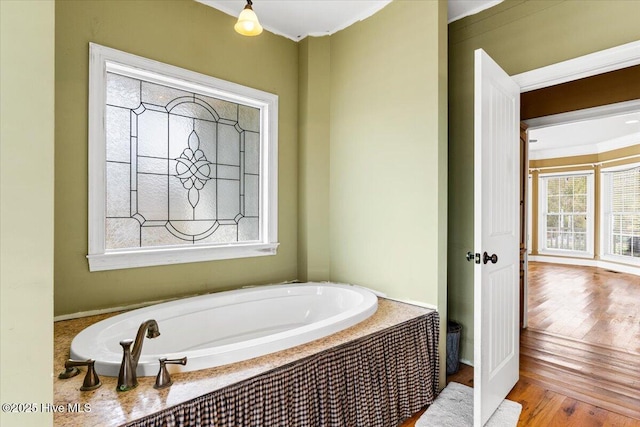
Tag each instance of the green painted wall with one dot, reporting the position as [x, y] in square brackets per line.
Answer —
[189, 35]
[26, 208]
[373, 154]
[388, 151]
[520, 36]
[313, 186]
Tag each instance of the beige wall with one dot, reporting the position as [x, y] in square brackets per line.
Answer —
[520, 36]
[26, 207]
[189, 35]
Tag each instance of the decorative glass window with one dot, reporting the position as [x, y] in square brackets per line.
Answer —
[621, 213]
[566, 213]
[182, 166]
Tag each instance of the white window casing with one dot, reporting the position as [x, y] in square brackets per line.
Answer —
[529, 214]
[105, 60]
[544, 211]
[607, 251]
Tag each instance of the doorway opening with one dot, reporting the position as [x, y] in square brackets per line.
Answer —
[583, 333]
[584, 199]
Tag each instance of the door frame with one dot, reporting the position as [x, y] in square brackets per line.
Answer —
[615, 58]
[622, 56]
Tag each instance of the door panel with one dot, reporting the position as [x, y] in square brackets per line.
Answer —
[496, 231]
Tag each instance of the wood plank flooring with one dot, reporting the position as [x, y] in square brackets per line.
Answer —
[580, 356]
[546, 404]
[585, 303]
[597, 375]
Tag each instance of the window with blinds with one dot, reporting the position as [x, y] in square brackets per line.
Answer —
[621, 197]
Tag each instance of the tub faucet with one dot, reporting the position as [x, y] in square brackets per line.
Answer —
[127, 378]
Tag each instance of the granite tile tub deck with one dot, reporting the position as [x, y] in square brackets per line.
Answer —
[107, 407]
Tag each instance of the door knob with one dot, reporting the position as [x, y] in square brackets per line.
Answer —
[486, 258]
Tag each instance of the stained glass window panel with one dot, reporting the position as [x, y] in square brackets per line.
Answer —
[229, 198]
[123, 232]
[249, 118]
[160, 95]
[226, 110]
[183, 168]
[229, 145]
[252, 192]
[252, 153]
[122, 91]
[248, 229]
[118, 193]
[118, 135]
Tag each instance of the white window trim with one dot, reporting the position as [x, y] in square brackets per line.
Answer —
[542, 216]
[529, 214]
[605, 202]
[103, 59]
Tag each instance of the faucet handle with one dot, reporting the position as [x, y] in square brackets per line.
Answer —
[163, 379]
[127, 378]
[91, 379]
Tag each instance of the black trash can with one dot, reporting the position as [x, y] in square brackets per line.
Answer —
[453, 347]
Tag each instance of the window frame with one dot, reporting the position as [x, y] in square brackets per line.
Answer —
[543, 211]
[103, 59]
[605, 213]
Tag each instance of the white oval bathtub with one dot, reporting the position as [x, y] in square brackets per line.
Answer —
[227, 327]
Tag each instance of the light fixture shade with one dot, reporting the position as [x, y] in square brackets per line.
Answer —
[248, 24]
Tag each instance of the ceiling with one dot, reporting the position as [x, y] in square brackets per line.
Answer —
[301, 18]
[458, 9]
[585, 137]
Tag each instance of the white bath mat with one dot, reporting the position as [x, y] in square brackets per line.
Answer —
[454, 408]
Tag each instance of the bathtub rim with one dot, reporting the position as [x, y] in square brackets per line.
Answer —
[108, 365]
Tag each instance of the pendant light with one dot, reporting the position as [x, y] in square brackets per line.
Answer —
[248, 24]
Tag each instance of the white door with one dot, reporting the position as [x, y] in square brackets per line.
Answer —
[496, 232]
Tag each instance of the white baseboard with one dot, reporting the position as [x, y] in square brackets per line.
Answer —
[466, 362]
[613, 266]
[418, 303]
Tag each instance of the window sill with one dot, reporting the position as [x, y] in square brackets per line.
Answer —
[631, 261]
[600, 263]
[570, 254]
[121, 259]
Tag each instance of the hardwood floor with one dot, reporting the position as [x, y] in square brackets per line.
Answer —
[580, 356]
[585, 303]
[546, 404]
[606, 378]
